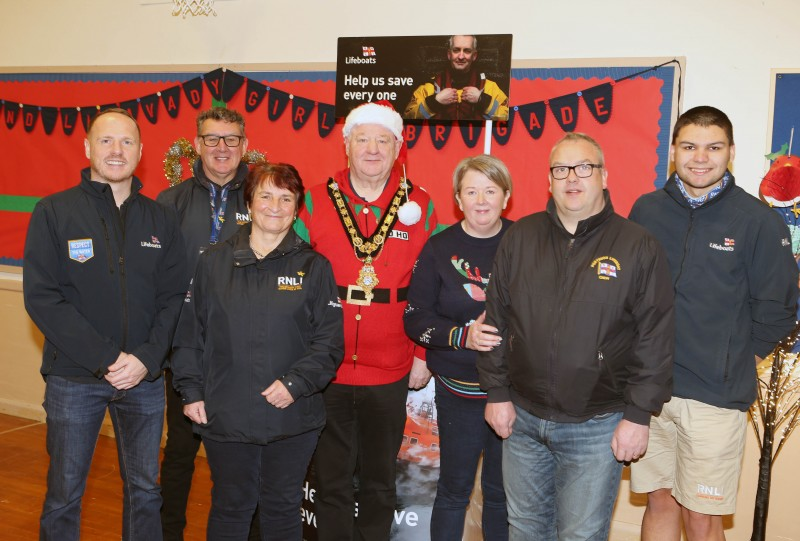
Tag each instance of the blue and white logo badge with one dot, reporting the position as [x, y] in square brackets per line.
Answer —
[80, 250]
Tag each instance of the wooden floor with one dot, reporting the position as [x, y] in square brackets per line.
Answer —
[23, 473]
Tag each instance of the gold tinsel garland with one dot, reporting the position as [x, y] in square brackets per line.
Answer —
[182, 148]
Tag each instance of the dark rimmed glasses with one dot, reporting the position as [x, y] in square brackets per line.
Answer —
[582, 170]
[230, 140]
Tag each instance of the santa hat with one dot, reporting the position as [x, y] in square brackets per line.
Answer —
[380, 112]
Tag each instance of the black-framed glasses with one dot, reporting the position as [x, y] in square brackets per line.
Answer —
[230, 140]
[582, 170]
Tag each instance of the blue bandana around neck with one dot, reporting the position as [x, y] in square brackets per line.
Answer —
[695, 202]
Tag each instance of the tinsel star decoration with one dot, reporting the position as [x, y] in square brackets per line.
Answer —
[183, 149]
[774, 417]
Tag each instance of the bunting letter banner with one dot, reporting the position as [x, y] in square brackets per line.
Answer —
[533, 115]
[132, 106]
[213, 81]
[599, 101]
[30, 114]
[10, 113]
[49, 118]
[255, 95]
[276, 102]
[501, 131]
[411, 133]
[440, 133]
[231, 83]
[565, 109]
[69, 118]
[172, 100]
[471, 132]
[149, 106]
[326, 118]
[301, 111]
[87, 114]
[193, 88]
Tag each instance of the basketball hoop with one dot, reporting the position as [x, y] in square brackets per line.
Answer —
[193, 7]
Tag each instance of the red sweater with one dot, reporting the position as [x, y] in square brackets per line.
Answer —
[377, 350]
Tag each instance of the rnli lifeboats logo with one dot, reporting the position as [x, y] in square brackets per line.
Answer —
[607, 267]
[242, 218]
[291, 283]
[80, 250]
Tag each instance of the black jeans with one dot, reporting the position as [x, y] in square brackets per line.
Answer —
[361, 438]
[177, 467]
[270, 476]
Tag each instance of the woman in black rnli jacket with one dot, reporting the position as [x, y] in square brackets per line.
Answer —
[259, 337]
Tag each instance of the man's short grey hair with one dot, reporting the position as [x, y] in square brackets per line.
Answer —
[474, 41]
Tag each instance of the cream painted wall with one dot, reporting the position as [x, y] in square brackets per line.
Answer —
[730, 48]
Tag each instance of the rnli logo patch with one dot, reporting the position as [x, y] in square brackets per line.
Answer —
[727, 245]
[80, 250]
[291, 283]
[606, 267]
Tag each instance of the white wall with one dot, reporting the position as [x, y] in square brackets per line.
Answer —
[730, 46]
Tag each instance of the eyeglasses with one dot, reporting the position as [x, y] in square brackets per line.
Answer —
[230, 140]
[582, 170]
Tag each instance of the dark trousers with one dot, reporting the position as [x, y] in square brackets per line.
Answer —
[361, 438]
[270, 476]
[177, 467]
[463, 436]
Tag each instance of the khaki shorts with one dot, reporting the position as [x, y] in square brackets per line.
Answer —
[696, 450]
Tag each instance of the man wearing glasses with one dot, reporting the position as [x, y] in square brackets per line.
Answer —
[460, 92]
[583, 303]
[211, 207]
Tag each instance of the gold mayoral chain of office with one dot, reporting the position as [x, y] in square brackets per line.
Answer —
[369, 247]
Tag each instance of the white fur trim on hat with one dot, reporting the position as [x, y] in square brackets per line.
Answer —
[372, 113]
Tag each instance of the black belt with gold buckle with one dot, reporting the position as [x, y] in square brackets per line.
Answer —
[355, 295]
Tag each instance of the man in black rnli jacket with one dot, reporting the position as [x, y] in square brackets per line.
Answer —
[103, 278]
[211, 207]
[582, 301]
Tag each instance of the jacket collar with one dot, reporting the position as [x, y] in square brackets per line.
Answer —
[243, 254]
[235, 183]
[587, 226]
[101, 190]
[672, 189]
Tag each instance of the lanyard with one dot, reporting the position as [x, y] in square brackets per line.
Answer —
[217, 214]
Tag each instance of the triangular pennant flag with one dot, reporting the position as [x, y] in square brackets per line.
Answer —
[532, 116]
[325, 118]
[171, 98]
[277, 102]
[301, 111]
[149, 105]
[255, 95]
[599, 101]
[132, 106]
[213, 81]
[231, 83]
[411, 133]
[69, 118]
[87, 114]
[440, 133]
[10, 113]
[565, 109]
[193, 88]
[471, 132]
[49, 118]
[501, 131]
[30, 114]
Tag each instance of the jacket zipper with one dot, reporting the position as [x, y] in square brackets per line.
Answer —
[554, 343]
[120, 213]
[109, 256]
[685, 248]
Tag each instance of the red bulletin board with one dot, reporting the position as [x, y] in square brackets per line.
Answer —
[634, 135]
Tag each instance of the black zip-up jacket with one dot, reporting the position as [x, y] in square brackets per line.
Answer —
[246, 323]
[191, 201]
[735, 283]
[586, 319]
[99, 280]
